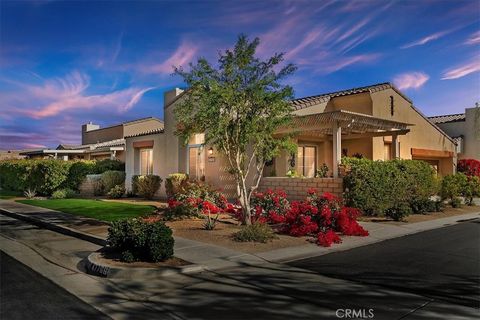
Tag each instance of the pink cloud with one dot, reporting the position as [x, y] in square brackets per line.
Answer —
[410, 80]
[427, 39]
[474, 38]
[58, 95]
[463, 70]
[344, 62]
[181, 57]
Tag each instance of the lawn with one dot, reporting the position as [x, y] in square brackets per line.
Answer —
[100, 210]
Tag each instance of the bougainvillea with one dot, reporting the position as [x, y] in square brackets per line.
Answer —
[470, 167]
[326, 238]
[269, 206]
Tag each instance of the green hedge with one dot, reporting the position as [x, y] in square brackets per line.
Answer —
[380, 188]
[146, 185]
[46, 176]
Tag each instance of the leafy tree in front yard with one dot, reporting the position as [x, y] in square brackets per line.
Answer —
[238, 105]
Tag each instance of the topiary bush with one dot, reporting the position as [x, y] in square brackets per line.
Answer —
[146, 186]
[174, 183]
[140, 240]
[116, 192]
[376, 187]
[110, 179]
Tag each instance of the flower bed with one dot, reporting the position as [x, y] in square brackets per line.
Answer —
[321, 215]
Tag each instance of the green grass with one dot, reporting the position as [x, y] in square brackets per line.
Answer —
[100, 210]
[5, 194]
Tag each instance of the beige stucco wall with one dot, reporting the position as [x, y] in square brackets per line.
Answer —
[101, 135]
[422, 135]
[132, 160]
[470, 130]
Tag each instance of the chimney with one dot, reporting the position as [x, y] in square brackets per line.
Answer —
[86, 128]
[169, 96]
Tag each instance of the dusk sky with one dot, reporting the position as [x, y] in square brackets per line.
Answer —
[64, 63]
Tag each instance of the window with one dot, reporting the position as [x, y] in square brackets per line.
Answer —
[196, 162]
[307, 159]
[146, 161]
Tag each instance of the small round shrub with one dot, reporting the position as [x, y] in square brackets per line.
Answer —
[63, 194]
[256, 232]
[399, 211]
[174, 183]
[111, 179]
[116, 192]
[146, 186]
[456, 202]
[144, 240]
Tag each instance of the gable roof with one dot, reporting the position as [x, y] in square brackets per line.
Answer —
[302, 103]
[447, 118]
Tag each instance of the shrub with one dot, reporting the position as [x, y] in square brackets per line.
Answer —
[399, 211]
[322, 171]
[203, 191]
[256, 232]
[471, 189]
[108, 165]
[146, 186]
[469, 167]
[175, 183]
[456, 202]
[271, 205]
[137, 239]
[78, 171]
[29, 193]
[116, 192]
[453, 186]
[210, 222]
[421, 206]
[110, 179]
[63, 194]
[377, 186]
[326, 238]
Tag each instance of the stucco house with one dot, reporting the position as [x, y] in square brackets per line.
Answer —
[99, 143]
[464, 128]
[377, 122]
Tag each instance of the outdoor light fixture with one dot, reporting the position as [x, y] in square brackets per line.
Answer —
[210, 151]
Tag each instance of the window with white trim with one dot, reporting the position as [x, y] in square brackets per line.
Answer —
[146, 161]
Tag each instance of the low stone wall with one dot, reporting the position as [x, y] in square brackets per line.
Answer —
[87, 187]
[296, 188]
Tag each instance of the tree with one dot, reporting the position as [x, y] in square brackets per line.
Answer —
[238, 105]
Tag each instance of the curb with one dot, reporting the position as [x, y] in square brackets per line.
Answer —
[56, 227]
[95, 267]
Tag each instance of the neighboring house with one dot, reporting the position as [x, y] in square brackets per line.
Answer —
[464, 128]
[10, 154]
[99, 143]
[377, 122]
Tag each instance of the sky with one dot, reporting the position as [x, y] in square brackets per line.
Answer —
[65, 63]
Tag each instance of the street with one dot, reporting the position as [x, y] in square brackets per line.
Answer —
[25, 294]
[266, 291]
[443, 264]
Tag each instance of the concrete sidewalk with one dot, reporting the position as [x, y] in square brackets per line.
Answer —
[212, 257]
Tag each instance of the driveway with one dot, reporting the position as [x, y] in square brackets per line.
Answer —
[441, 264]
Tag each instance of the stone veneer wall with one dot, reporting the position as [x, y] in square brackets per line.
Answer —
[87, 186]
[296, 188]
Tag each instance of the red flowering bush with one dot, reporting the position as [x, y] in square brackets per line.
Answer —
[323, 215]
[269, 206]
[469, 167]
[326, 238]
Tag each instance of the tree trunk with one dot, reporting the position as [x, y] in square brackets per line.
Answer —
[244, 202]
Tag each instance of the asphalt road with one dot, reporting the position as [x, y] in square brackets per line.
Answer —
[443, 264]
[24, 294]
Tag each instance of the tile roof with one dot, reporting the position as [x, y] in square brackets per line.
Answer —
[447, 118]
[146, 133]
[302, 103]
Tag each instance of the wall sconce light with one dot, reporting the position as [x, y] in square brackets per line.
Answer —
[210, 151]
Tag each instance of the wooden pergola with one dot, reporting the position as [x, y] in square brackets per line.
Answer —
[342, 124]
